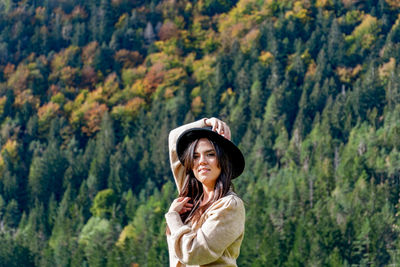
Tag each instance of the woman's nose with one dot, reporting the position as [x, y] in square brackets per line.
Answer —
[202, 159]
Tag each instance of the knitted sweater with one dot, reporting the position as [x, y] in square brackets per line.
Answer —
[216, 240]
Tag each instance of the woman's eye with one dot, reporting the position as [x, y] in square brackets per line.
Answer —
[211, 154]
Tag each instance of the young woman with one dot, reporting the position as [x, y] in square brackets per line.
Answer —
[205, 224]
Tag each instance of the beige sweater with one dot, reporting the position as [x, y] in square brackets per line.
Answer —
[216, 240]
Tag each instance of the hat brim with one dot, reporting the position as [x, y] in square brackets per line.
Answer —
[234, 153]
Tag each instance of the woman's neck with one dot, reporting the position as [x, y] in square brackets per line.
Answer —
[208, 194]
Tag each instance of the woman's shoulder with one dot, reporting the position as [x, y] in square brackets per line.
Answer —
[231, 201]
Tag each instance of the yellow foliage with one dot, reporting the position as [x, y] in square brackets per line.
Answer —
[363, 35]
[80, 99]
[166, 60]
[138, 88]
[62, 58]
[47, 112]
[210, 43]
[197, 105]
[203, 68]
[128, 111]
[68, 75]
[59, 98]
[189, 59]
[168, 47]
[387, 69]
[246, 7]
[393, 3]
[11, 146]
[121, 21]
[131, 74]
[298, 12]
[195, 92]
[323, 3]
[110, 86]
[347, 75]
[227, 94]
[351, 17]
[170, 82]
[127, 233]
[266, 58]
[75, 108]
[2, 104]
[369, 24]
[2, 165]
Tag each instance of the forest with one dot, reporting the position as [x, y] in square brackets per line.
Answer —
[89, 91]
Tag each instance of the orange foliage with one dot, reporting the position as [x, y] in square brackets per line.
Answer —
[393, 3]
[79, 13]
[249, 39]
[89, 77]
[54, 89]
[349, 3]
[387, 69]
[18, 80]
[128, 58]
[168, 30]
[40, 13]
[312, 68]
[347, 75]
[48, 111]
[92, 118]
[24, 97]
[8, 70]
[88, 53]
[154, 77]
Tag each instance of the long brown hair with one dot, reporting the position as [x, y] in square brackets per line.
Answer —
[194, 189]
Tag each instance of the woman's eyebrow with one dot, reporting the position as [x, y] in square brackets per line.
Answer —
[207, 151]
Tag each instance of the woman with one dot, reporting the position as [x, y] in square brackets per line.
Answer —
[205, 224]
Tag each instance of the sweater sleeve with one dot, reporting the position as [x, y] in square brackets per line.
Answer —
[176, 166]
[222, 227]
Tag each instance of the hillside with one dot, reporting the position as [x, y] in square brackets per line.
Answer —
[90, 89]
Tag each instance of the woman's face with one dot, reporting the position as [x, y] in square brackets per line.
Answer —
[206, 168]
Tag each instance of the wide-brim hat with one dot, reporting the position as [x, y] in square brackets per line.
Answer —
[234, 153]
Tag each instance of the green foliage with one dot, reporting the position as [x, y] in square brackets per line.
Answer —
[310, 90]
[103, 203]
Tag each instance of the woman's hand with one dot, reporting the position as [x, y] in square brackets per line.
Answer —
[181, 205]
[219, 126]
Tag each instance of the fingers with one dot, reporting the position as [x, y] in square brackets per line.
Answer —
[187, 207]
[181, 205]
[220, 127]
